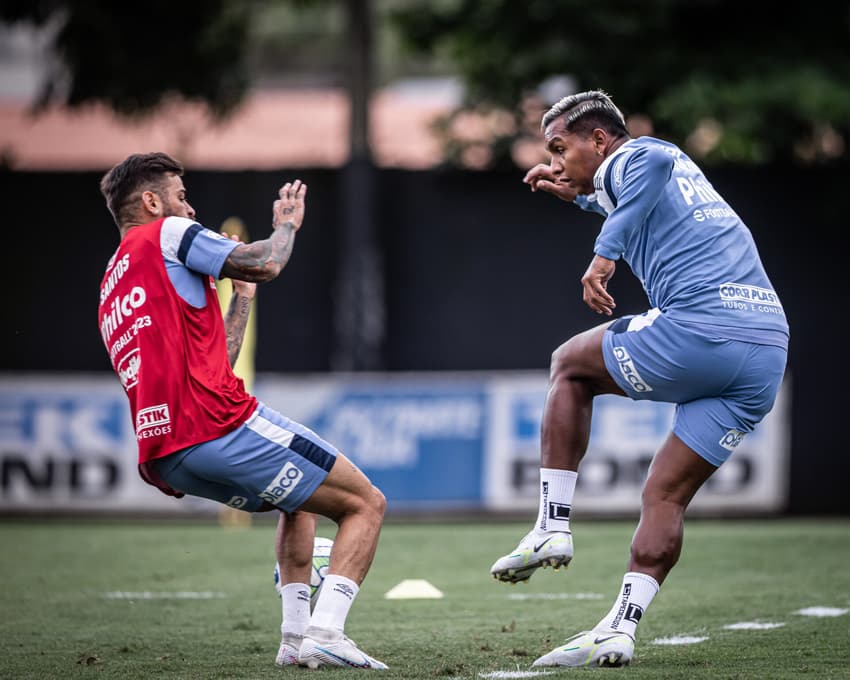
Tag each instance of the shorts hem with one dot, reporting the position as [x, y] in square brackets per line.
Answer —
[715, 460]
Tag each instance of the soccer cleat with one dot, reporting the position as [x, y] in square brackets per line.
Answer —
[550, 549]
[591, 648]
[287, 655]
[340, 652]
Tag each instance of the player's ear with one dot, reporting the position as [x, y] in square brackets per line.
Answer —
[599, 139]
[151, 203]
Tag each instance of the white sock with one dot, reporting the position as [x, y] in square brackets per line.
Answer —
[635, 595]
[334, 603]
[556, 498]
[295, 608]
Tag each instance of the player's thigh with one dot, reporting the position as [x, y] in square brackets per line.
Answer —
[581, 358]
[676, 474]
[345, 490]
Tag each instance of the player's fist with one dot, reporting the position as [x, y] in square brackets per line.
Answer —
[541, 178]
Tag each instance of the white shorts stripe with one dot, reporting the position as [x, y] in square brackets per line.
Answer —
[266, 428]
[644, 320]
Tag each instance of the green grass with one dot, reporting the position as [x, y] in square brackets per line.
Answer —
[56, 622]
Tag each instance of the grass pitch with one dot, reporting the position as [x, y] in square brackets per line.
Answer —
[172, 599]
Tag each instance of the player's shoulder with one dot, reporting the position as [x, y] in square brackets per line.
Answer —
[178, 225]
[652, 151]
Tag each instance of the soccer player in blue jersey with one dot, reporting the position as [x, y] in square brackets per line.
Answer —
[714, 342]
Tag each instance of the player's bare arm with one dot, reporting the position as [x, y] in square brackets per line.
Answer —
[263, 260]
[595, 285]
[236, 317]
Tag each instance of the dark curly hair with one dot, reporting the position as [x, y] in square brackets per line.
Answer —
[124, 183]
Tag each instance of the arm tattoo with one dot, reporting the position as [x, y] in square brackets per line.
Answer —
[235, 322]
[261, 260]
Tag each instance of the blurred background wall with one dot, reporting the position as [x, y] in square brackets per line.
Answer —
[480, 275]
[422, 252]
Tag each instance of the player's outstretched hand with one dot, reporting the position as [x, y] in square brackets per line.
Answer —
[290, 206]
[595, 284]
[541, 178]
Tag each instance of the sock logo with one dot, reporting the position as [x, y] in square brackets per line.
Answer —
[624, 602]
[559, 511]
[344, 589]
[633, 613]
[544, 498]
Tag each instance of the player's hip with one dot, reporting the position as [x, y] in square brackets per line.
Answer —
[652, 357]
[270, 459]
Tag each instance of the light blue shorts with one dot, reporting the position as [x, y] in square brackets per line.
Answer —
[269, 458]
[722, 388]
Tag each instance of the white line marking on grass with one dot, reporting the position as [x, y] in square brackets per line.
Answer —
[753, 625]
[151, 595]
[513, 674]
[680, 640]
[822, 611]
[555, 596]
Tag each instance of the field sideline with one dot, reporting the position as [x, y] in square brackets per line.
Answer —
[769, 599]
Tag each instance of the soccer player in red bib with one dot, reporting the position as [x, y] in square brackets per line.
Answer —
[199, 431]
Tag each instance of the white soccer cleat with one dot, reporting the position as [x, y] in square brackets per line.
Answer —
[287, 655]
[591, 648]
[341, 652]
[549, 549]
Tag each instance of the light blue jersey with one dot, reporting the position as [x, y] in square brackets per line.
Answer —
[694, 256]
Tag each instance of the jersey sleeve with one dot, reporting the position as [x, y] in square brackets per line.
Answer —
[635, 182]
[194, 246]
[590, 204]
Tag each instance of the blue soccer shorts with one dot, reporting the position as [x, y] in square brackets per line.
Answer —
[269, 458]
[722, 388]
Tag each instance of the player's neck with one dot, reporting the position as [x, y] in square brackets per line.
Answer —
[616, 144]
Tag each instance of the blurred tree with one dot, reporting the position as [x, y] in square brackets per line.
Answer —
[135, 56]
[730, 81]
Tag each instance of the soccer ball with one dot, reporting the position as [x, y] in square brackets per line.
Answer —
[321, 560]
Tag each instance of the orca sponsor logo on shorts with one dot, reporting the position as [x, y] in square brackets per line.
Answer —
[283, 484]
[731, 439]
[627, 368]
